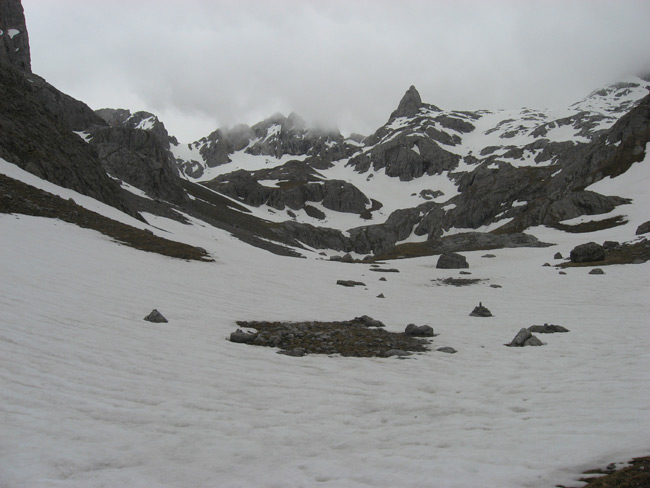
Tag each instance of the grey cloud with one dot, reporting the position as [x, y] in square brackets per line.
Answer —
[336, 63]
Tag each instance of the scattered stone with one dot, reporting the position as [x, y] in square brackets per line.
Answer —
[496, 286]
[562, 272]
[419, 331]
[547, 329]
[587, 253]
[381, 295]
[546, 265]
[465, 273]
[597, 271]
[522, 336]
[367, 321]
[525, 338]
[558, 255]
[458, 281]
[486, 256]
[643, 228]
[243, 337]
[156, 317]
[480, 311]
[346, 258]
[447, 349]
[533, 341]
[385, 270]
[296, 352]
[452, 260]
[394, 352]
[350, 283]
[383, 278]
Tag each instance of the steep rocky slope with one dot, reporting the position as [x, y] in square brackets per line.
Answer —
[428, 172]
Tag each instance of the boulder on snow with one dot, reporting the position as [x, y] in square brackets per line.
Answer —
[447, 349]
[242, 337]
[558, 255]
[350, 283]
[525, 338]
[419, 331]
[587, 253]
[480, 311]
[452, 260]
[547, 328]
[609, 245]
[367, 321]
[597, 271]
[156, 317]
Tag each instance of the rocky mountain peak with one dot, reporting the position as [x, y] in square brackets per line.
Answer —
[14, 42]
[409, 105]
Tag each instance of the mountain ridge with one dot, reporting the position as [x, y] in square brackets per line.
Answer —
[426, 174]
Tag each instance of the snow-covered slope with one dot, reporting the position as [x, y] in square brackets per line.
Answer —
[418, 156]
[91, 395]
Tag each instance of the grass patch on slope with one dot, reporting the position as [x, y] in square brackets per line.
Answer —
[19, 198]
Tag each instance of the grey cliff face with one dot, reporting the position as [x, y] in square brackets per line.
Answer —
[409, 105]
[37, 121]
[14, 41]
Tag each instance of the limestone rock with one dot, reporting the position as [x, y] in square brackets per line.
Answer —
[533, 341]
[419, 331]
[643, 228]
[480, 311]
[409, 105]
[367, 321]
[14, 41]
[242, 337]
[547, 328]
[350, 283]
[587, 253]
[452, 260]
[156, 317]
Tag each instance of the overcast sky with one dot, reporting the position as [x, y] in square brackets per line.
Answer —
[202, 64]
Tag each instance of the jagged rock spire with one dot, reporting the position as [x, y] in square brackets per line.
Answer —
[14, 42]
[409, 105]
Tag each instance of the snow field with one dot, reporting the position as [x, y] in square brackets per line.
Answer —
[91, 395]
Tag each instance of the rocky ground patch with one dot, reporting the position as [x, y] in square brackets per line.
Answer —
[457, 281]
[360, 337]
[635, 252]
[635, 475]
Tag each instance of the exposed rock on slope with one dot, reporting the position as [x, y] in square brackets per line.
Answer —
[139, 157]
[37, 137]
[14, 41]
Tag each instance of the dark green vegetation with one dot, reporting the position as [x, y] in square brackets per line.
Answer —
[592, 226]
[637, 475]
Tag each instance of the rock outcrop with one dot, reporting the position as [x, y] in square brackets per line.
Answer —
[14, 40]
[587, 253]
[452, 260]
